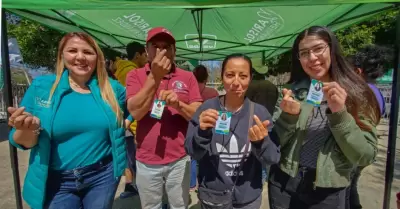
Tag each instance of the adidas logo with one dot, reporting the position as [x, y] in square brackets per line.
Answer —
[232, 156]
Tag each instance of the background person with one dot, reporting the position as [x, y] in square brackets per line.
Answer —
[136, 58]
[371, 63]
[265, 93]
[201, 74]
[262, 91]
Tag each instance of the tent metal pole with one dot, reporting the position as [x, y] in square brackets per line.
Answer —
[263, 57]
[198, 22]
[201, 30]
[394, 113]
[346, 13]
[7, 94]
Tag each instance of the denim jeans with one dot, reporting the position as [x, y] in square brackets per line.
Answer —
[265, 171]
[193, 173]
[174, 178]
[352, 197]
[90, 187]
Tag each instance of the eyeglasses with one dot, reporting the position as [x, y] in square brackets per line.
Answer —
[317, 51]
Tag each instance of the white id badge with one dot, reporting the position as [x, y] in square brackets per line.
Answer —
[315, 94]
[223, 123]
[158, 108]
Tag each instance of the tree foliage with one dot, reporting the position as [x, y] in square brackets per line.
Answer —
[38, 44]
[380, 29]
[279, 64]
[373, 31]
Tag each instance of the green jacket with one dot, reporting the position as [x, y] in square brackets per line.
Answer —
[347, 147]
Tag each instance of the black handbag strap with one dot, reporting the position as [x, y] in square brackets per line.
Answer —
[246, 148]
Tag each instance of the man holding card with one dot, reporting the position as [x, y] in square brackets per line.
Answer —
[162, 98]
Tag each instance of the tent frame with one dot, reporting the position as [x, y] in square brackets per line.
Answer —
[393, 120]
[9, 103]
[197, 16]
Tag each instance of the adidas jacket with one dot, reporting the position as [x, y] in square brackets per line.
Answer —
[219, 155]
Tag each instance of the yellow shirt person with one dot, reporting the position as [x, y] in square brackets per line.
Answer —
[137, 58]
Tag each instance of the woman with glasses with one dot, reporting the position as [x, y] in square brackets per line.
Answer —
[321, 144]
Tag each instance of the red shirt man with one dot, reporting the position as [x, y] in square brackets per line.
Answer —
[160, 142]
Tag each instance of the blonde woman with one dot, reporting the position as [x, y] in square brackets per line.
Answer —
[72, 122]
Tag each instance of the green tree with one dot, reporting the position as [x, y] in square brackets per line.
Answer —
[380, 29]
[38, 44]
[279, 64]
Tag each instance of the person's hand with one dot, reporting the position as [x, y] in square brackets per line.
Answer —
[335, 95]
[208, 119]
[259, 131]
[127, 123]
[170, 97]
[289, 104]
[160, 65]
[22, 120]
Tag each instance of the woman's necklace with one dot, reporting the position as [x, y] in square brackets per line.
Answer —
[78, 86]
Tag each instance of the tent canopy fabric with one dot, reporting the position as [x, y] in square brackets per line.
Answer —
[387, 78]
[182, 4]
[256, 29]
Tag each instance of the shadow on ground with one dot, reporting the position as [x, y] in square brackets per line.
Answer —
[127, 203]
[134, 203]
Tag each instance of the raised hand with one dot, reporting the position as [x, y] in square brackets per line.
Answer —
[160, 65]
[22, 120]
[259, 131]
[208, 119]
[170, 98]
[289, 104]
[335, 96]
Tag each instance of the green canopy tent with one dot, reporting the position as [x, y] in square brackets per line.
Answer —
[386, 78]
[187, 4]
[257, 29]
[204, 29]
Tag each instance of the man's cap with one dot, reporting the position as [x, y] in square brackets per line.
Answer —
[160, 31]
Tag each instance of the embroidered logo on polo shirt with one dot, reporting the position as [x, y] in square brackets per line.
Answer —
[179, 86]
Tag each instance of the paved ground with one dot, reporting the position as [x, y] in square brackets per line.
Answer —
[370, 186]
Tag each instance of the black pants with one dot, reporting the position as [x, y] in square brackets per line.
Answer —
[286, 192]
[353, 199]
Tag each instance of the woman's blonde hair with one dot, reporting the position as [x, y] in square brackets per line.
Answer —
[106, 90]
